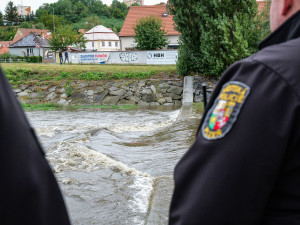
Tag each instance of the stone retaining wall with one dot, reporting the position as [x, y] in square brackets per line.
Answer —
[128, 92]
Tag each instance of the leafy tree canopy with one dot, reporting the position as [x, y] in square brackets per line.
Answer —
[66, 36]
[11, 15]
[214, 33]
[149, 34]
[1, 19]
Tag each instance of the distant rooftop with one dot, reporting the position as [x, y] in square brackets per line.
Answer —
[137, 12]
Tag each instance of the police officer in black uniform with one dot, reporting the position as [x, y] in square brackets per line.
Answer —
[244, 167]
[29, 193]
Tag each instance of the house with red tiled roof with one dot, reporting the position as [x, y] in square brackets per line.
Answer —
[4, 46]
[23, 32]
[136, 13]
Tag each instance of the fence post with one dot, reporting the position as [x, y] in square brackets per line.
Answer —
[204, 95]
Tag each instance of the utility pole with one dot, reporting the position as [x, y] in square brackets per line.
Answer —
[53, 20]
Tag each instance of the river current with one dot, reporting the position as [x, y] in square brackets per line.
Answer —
[115, 166]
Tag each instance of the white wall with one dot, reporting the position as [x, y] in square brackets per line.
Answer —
[163, 57]
[128, 42]
[99, 47]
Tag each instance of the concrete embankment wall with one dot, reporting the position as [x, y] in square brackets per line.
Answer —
[127, 92]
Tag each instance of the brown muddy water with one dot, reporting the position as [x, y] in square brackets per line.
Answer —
[116, 166]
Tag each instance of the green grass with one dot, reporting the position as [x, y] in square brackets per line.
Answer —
[53, 106]
[39, 73]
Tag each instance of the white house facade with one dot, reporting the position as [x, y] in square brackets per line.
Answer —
[101, 38]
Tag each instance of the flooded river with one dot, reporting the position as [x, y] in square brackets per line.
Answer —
[115, 167]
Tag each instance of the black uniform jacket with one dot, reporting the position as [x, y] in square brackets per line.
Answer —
[29, 193]
[244, 167]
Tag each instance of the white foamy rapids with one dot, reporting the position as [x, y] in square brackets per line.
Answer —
[143, 187]
[148, 126]
[50, 131]
[72, 156]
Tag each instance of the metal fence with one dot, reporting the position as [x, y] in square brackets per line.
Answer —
[12, 60]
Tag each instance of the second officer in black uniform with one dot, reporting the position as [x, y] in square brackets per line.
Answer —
[244, 167]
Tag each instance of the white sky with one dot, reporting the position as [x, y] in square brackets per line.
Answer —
[35, 4]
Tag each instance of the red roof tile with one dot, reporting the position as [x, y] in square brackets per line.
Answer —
[22, 32]
[137, 12]
[4, 46]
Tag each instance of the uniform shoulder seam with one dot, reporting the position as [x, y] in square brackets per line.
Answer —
[278, 74]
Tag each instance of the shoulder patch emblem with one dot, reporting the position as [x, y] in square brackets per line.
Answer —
[223, 114]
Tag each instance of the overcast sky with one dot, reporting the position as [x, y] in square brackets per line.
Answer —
[35, 4]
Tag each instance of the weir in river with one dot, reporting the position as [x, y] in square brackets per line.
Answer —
[116, 166]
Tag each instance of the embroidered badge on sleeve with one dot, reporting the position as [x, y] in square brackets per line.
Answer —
[221, 117]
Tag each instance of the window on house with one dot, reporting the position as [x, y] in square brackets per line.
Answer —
[93, 44]
[29, 51]
[103, 44]
[109, 44]
[116, 44]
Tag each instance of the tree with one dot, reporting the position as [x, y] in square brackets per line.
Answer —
[65, 37]
[26, 24]
[214, 33]
[118, 9]
[91, 22]
[8, 33]
[149, 34]
[1, 19]
[47, 20]
[11, 14]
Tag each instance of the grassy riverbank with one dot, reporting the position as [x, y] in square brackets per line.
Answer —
[21, 73]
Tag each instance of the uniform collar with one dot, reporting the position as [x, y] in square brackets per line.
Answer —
[290, 29]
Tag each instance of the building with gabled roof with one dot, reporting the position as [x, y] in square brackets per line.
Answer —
[101, 38]
[136, 13]
[22, 32]
[32, 44]
[4, 46]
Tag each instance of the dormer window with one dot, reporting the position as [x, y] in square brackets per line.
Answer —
[165, 14]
